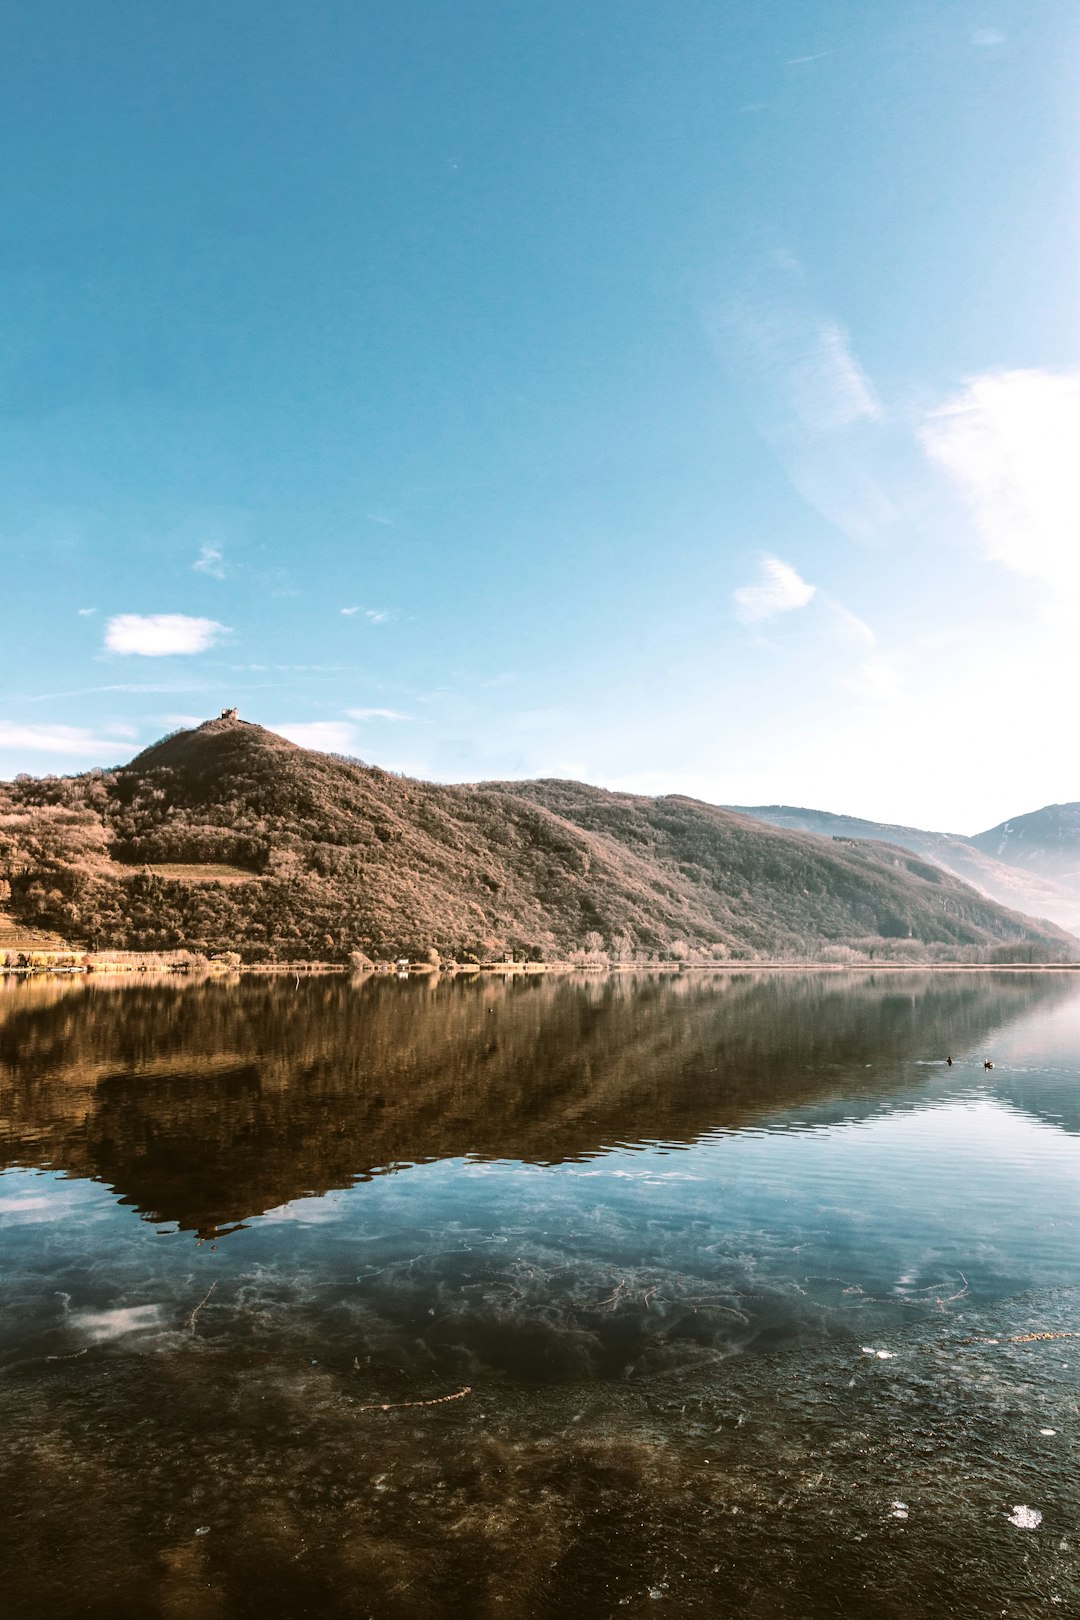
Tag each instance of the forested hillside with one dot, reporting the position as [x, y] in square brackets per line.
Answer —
[1008, 869]
[228, 837]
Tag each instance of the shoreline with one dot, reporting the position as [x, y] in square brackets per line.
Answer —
[200, 974]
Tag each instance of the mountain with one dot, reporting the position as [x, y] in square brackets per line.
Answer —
[991, 861]
[1045, 842]
[760, 880]
[229, 837]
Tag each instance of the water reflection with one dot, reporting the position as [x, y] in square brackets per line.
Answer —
[208, 1105]
[548, 1298]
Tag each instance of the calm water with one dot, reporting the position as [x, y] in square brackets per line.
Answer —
[403, 1299]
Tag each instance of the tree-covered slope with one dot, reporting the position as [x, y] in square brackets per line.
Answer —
[229, 837]
[771, 881]
[990, 861]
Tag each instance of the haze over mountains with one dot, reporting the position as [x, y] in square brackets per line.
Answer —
[1031, 862]
[1046, 841]
[229, 837]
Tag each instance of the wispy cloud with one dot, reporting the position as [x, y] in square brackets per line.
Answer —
[829, 388]
[373, 615]
[328, 736]
[877, 679]
[72, 740]
[801, 61]
[160, 635]
[377, 714]
[1009, 442]
[804, 361]
[850, 626]
[809, 395]
[778, 589]
[211, 560]
[122, 686]
[349, 612]
[988, 37]
[84, 613]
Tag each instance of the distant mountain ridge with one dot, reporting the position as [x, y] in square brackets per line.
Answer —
[228, 837]
[1031, 863]
[1046, 842]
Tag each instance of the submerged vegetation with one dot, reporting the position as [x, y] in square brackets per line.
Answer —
[230, 838]
[539, 1297]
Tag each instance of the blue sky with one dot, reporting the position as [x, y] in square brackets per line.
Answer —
[685, 398]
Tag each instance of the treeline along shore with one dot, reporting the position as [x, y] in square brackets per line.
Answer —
[188, 964]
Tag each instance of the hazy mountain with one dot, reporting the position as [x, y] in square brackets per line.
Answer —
[990, 861]
[230, 837]
[1046, 842]
[713, 847]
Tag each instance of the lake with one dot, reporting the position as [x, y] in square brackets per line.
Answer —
[604, 1295]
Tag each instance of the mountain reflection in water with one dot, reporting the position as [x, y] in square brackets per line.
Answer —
[209, 1105]
[548, 1297]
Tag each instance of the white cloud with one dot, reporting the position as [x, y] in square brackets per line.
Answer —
[877, 679]
[73, 740]
[122, 686]
[84, 613]
[347, 613]
[377, 615]
[809, 395]
[210, 561]
[779, 589]
[849, 624]
[1010, 441]
[377, 714]
[830, 389]
[328, 736]
[800, 360]
[157, 635]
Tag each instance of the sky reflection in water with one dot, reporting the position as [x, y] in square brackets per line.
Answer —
[664, 1193]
